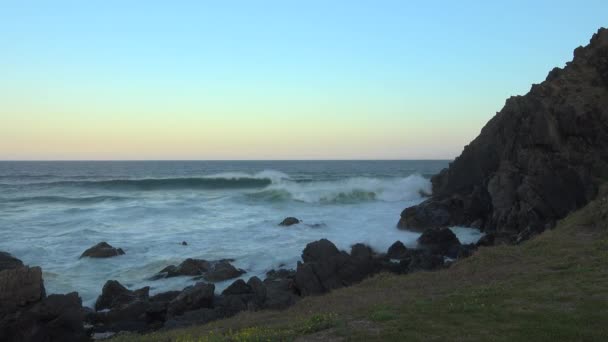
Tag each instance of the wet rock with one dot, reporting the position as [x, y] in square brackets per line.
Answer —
[102, 250]
[192, 298]
[8, 261]
[188, 267]
[320, 250]
[114, 295]
[397, 251]
[440, 241]
[222, 270]
[184, 243]
[289, 221]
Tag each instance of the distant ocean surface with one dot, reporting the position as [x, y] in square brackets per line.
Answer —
[50, 212]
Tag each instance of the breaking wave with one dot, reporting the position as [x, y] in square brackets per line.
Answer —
[346, 191]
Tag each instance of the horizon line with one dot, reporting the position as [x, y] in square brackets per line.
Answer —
[213, 160]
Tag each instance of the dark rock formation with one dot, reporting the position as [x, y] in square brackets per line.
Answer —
[538, 159]
[54, 318]
[397, 251]
[188, 267]
[288, 221]
[8, 261]
[114, 295]
[27, 314]
[20, 287]
[102, 250]
[192, 298]
[209, 270]
[222, 270]
[440, 241]
[324, 267]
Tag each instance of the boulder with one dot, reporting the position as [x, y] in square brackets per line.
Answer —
[114, 295]
[541, 157]
[324, 267]
[55, 318]
[397, 251]
[239, 287]
[192, 298]
[8, 261]
[320, 250]
[280, 290]
[132, 316]
[188, 267]
[440, 241]
[20, 287]
[222, 270]
[258, 289]
[102, 250]
[289, 221]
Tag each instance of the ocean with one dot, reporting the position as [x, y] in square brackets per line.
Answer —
[50, 212]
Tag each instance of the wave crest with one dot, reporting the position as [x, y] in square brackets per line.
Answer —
[347, 191]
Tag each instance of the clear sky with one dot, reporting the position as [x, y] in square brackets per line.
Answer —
[271, 79]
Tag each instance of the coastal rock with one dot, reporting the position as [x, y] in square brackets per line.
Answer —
[289, 221]
[239, 287]
[324, 267]
[209, 270]
[8, 261]
[222, 270]
[54, 318]
[192, 298]
[114, 295]
[188, 267]
[440, 241]
[102, 250]
[280, 289]
[541, 157]
[259, 291]
[20, 287]
[397, 251]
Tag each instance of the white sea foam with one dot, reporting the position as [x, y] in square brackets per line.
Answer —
[220, 215]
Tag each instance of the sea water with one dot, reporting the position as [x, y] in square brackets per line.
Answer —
[50, 212]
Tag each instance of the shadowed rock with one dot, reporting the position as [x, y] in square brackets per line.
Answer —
[8, 261]
[397, 251]
[192, 298]
[440, 241]
[114, 295]
[541, 157]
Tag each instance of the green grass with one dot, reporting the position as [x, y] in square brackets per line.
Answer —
[551, 288]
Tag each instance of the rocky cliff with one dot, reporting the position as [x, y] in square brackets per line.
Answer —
[541, 157]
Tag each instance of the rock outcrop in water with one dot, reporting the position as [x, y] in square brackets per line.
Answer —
[102, 250]
[541, 157]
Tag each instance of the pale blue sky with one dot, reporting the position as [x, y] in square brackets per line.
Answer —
[413, 79]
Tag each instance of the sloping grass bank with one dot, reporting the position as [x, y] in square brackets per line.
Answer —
[551, 288]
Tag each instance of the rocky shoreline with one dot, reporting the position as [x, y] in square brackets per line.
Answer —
[28, 314]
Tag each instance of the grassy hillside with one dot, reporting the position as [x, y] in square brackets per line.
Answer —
[551, 288]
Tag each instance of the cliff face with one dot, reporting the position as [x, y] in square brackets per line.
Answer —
[542, 156]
